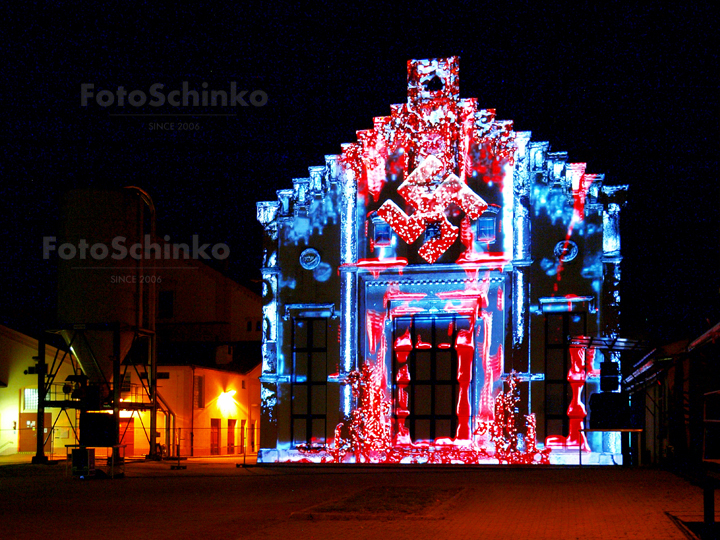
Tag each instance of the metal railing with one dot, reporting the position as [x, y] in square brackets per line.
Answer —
[211, 442]
[204, 442]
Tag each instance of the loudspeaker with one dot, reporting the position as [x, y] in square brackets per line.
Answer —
[610, 410]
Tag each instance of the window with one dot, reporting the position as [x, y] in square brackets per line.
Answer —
[486, 225]
[566, 251]
[434, 85]
[30, 399]
[485, 228]
[382, 234]
[433, 231]
[309, 380]
[165, 304]
[251, 436]
[432, 387]
[249, 326]
[199, 392]
[258, 326]
[242, 436]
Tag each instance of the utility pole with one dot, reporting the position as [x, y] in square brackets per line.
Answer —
[41, 369]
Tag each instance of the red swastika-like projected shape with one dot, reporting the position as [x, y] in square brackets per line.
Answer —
[430, 204]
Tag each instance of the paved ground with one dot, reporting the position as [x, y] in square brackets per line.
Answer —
[215, 499]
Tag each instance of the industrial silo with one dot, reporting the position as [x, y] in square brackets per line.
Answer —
[106, 293]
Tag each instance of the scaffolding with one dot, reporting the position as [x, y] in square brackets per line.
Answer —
[83, 394]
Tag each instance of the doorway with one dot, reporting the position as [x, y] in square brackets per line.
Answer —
[27, 434]
[231, 436]
[214, 436]
[127, 436]
[429, 376]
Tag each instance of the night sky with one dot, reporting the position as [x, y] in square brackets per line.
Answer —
[631, 91]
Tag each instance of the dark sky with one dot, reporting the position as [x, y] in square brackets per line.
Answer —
[631, 91]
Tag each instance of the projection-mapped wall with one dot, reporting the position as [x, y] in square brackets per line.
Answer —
[420, 288]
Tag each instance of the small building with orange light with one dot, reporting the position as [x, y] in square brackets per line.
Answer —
[164, 347]
[208, 358]
[216, 407]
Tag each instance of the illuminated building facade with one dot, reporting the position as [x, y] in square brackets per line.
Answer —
[19, 398]
[419, 289]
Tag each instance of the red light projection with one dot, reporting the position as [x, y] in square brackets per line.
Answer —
[580, 369]
[376, 430]
[434, 122]
[378, 265]
[503, 431]
[367, 435]
[422, 192]
[466, 351]
[403, 347]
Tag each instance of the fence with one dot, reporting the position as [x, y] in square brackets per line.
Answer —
[216, 441]
[204, 442]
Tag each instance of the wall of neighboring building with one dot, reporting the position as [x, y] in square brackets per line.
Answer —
[675, 393]
[18, 415]
[198, 303]
[168, 291]
[201, 308]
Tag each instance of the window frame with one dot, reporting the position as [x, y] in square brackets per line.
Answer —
[314, 353]
[564, 346]
[36, 399]
[433, 382]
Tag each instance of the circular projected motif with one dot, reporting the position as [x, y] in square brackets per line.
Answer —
[309, 259]
[322, 272]
[566, 251]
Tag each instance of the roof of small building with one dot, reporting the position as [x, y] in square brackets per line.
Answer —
[711, 336]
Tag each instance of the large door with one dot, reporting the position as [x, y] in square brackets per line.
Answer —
[429, 376]
[127, 435]
[231, 435]
[214, 436]
[27, 435]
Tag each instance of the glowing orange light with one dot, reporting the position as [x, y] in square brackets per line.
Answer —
[226, 402]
